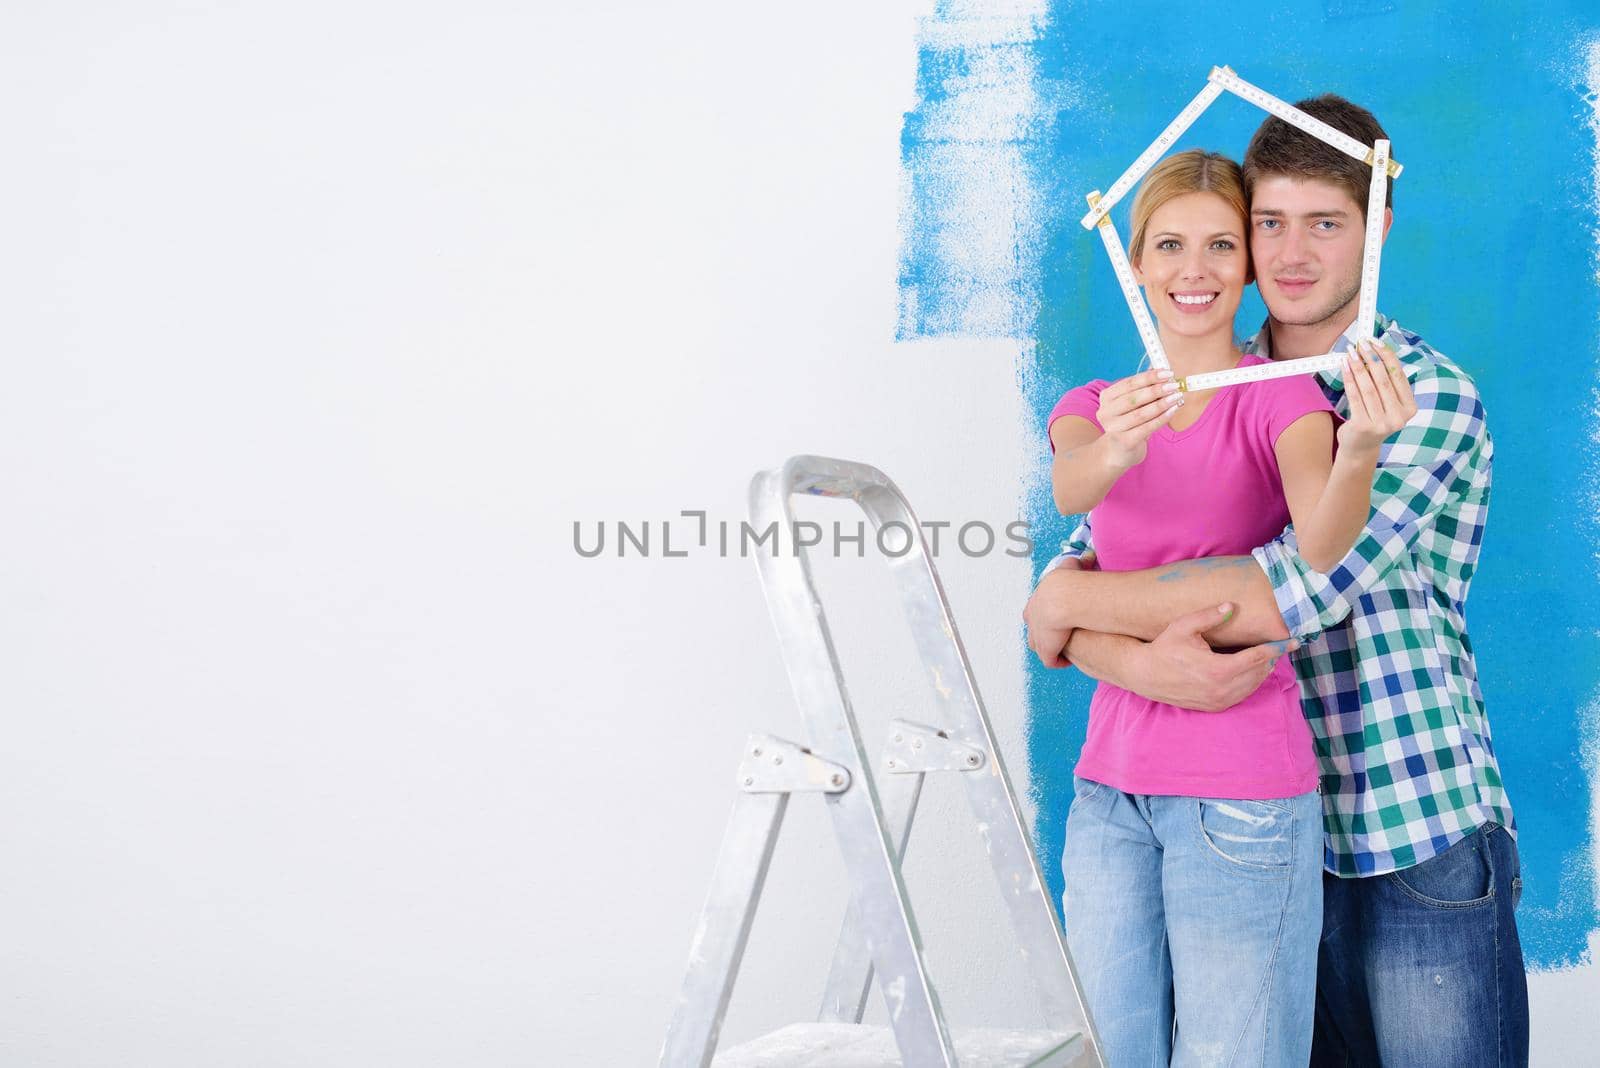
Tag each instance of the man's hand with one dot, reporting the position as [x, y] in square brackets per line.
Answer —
[1381, 401]
[1179, 668]
[1048, 632]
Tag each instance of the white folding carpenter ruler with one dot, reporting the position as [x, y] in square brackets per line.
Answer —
[1292, 115]
[1149, 156]
[1130, 291]
[1376, 156]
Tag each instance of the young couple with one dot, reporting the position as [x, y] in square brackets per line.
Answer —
[1271, 859]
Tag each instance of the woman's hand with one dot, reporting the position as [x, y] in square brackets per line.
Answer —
[1134, 408]
[1380, 397]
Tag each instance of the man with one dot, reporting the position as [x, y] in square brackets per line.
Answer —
[1419, 963]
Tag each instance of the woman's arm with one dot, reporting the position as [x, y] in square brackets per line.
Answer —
[1329, 500]
[1085, 469]
[1089, 461]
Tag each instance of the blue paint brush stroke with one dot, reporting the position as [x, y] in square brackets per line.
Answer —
[1492, 259]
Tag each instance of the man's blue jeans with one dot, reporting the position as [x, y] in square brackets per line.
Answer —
[1422, 967]
[1193, 923]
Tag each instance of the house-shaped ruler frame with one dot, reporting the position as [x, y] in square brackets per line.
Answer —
[1376, 155]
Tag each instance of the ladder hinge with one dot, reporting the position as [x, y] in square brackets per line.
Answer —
[774, 765]
[917, 747]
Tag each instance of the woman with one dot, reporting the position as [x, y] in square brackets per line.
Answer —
[1193, 855]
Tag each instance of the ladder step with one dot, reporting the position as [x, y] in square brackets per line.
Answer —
[843, 1045]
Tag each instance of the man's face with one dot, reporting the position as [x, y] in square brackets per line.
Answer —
[1306, 238]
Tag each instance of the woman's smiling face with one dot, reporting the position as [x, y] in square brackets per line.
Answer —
[1194, 264]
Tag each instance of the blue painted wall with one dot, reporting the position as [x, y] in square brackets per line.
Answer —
[1492, 258]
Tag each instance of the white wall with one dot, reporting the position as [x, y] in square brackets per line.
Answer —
[325, 324]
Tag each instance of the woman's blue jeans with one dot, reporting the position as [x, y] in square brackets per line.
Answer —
[1194, 925]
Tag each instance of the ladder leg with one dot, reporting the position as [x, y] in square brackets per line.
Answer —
[724, 929]
[993, 802]
[870, 859]
[844, 1000]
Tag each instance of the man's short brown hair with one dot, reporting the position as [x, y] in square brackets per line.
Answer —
[1281, 149]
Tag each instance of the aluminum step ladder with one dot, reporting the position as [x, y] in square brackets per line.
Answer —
[872, 820]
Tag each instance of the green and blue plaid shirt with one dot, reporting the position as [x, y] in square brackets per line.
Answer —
[1386, 671]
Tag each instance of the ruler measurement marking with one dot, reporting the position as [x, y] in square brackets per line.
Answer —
[1367, 306]
[1261, 372]
[1236, 85]
[1329, 361]
[1151, 155]
[1130, 291]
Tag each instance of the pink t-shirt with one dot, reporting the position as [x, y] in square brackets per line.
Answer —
[1211, 489]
